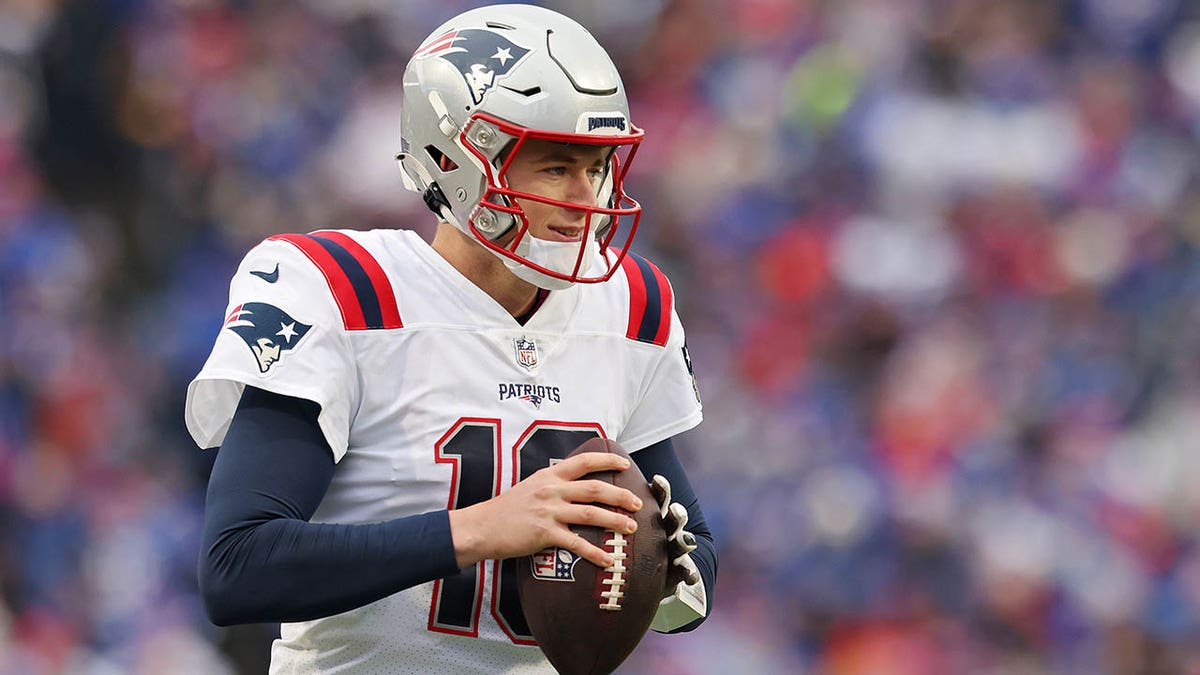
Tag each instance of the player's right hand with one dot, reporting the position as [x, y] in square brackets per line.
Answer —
[535, 513]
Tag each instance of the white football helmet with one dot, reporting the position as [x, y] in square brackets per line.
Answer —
[488, 81]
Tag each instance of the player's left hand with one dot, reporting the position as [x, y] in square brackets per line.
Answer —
[680, 542]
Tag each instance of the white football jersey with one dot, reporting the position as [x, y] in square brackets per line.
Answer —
[432, 396]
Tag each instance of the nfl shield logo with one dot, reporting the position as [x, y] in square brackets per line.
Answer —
[527, 356]
[554, 564]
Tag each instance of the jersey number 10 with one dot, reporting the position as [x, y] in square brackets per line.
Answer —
[472, 446]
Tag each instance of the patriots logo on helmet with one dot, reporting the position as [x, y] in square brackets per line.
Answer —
[267, 330]
[480, 55]
[554, 564]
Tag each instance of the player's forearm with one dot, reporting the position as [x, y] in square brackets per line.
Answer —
[469, 540]
[292, 570]
[263, 561]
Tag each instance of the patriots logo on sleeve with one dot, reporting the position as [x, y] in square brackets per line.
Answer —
[267, 330]
[481, 56]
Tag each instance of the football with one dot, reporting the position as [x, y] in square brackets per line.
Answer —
[586, 619]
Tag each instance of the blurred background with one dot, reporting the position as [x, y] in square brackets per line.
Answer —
[937, 260]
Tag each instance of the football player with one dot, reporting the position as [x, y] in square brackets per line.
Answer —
[392, 415]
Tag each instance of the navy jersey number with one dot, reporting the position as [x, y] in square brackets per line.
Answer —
[473, 448]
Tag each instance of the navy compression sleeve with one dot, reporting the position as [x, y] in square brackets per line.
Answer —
[262, 561]
[661, 459]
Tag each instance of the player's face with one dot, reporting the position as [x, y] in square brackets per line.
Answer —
[267, 352]
[570, 173]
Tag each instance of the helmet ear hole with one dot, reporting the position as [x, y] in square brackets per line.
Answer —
[444, 163]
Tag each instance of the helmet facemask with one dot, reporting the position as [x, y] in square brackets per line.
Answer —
[481, 87]
[499, 222]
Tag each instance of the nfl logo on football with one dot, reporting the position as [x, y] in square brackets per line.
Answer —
[527, 355]
[554, 564]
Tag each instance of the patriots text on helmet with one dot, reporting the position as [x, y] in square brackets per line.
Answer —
[606, 123]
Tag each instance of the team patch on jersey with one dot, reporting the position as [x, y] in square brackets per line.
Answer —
[267, 330]
[536, 394]
[480, 56]
[527, 353]
[554, 564]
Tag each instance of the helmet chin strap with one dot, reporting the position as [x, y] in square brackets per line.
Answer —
[559, 256]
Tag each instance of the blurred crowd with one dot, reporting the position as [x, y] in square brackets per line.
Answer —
[938, 261]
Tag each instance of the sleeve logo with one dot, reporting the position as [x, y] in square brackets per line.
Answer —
[267, 330]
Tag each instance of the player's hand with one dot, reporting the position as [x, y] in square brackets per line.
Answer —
[535, 514]
[680, 542]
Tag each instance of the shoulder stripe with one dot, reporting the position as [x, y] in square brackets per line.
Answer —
[389, 311]
[351, 284]
[649, 301]
[364, 292]
[339, 284]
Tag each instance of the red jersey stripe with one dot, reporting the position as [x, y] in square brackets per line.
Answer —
[379, 279]
[649, 301]
[637, 295]
[339, 284]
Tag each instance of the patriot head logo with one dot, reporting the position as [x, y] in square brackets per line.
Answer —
[481, 56]
[554, 564]
[267, 330]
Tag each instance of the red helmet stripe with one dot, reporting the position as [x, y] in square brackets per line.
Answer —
[441, 42]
